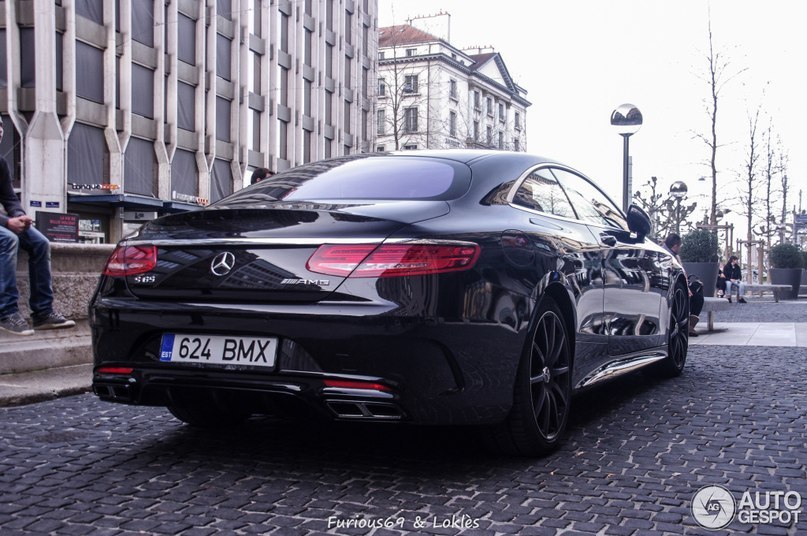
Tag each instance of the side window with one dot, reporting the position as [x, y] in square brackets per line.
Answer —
[591, 204]
[540, 191]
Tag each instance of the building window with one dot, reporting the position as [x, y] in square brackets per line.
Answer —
[381, 55]
[516, 145]
[365, 40]
[501, 112]
[477, 101]
[364, 73]
[186, 39]
[381, 125]
[452, 123]
[489, 105]
[476, 130]
[411, 147]
[142, 91]
[223, 119]
[348, 77]
[143, 23]
[284, 33]
[364, 121]
[329, 61]
[347, 118]
[90, 63]
[501, 140]
[328, 108]
[382, 88]
[348, 27]
[410, 51]
[410, 83]
[309, 47]
[452, 88]
[283, 140]
[411, 119]
[186, 106]
[329, 14]
[284, 87]
[307, 97]
[489, 135]
[517, 120]
[379, 149]
[223, 59]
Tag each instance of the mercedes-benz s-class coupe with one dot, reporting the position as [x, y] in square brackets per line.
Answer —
[424, 287]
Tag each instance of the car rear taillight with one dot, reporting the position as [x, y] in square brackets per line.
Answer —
[131, 260]
[393, 260]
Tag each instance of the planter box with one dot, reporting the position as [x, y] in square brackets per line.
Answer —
[706, 272]
[787, 276]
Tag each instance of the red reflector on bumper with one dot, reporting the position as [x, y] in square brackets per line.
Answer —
[349, 384]
[115, 370]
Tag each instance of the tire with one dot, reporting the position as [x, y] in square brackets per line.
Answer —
[677, 336]
[202, 416]
[543, 390]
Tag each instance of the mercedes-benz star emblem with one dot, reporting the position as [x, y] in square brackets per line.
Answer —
[222, 263]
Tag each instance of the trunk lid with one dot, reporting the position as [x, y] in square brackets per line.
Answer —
[260, 255]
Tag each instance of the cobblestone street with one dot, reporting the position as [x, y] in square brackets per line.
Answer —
[638, 450]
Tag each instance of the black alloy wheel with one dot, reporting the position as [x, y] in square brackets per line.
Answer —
[543, 390]
[677, 335]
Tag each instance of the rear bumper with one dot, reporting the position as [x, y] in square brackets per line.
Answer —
[434, 371]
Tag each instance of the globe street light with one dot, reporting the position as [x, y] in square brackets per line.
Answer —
[678, 190]
[626, 119]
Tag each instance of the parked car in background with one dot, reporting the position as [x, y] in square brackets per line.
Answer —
[424, 287]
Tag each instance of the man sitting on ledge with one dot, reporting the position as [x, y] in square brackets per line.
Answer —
[734, 279]
[16, 231]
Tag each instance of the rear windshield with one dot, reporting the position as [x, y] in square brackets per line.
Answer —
[359, 178]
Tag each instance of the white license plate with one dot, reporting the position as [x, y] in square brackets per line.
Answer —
[218, 350]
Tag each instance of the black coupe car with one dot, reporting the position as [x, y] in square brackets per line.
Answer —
[424, 287]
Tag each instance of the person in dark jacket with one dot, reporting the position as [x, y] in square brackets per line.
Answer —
[17, 231]
[260, 174]
[734, 279]
[673, 245]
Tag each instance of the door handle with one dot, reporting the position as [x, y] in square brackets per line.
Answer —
[607, 239]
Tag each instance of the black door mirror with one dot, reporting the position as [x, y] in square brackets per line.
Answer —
[638, 221]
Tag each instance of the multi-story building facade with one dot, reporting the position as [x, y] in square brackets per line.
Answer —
[120, 110]
[433, 95]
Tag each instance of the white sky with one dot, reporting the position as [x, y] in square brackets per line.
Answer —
[580, 59]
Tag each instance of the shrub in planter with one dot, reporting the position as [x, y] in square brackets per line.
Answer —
[786, 256]
[699, 246]
[786, 261]
[699, 255]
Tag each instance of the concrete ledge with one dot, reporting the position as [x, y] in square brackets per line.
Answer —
[45, 349]
[30, 387]
[75, 268]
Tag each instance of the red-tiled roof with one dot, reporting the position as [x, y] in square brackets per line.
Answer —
[403, 35]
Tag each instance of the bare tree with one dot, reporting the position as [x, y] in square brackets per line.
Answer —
[783, 161]
[768, 229]
[665, 214]
[717, 76]
[748, 194]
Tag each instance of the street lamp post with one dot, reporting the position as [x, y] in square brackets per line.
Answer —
[626, 119]
[678, 190]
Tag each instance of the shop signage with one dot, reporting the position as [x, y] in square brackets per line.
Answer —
[187, 198]
[102, 186]
[138, 216]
